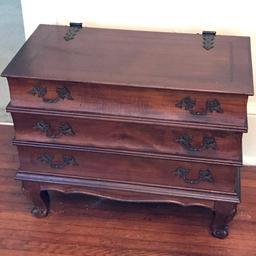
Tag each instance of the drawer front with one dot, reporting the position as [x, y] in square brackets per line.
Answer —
[215, 145]
[130, 169]
[132, 102]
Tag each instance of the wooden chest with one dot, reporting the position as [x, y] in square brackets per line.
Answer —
[131, 115]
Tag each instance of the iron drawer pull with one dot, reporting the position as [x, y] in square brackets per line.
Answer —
[66, 160]
[63, 129]
[208, 142]
[210, 106]
[203, 175]
[62, 93]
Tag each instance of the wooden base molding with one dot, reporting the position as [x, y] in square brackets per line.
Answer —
[36, 187]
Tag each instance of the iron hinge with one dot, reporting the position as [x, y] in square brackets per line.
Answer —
[73, 29]
[208, 39]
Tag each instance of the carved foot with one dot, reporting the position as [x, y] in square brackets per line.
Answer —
[38, 212]
[39, 198]
[223, 214]
[220, 232]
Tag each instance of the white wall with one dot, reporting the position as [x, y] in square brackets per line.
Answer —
[12, 38]
[226, 17]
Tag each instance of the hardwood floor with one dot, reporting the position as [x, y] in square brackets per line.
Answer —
[83, 225]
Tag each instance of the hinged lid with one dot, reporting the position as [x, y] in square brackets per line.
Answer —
[136, 58]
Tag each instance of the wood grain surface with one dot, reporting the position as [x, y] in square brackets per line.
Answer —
[136, 58]
[88, 226]
[138, 170]
[157, 105]
[178, 141]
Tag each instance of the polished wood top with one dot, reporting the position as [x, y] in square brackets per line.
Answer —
[136, 58]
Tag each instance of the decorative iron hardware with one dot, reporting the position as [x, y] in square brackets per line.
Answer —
[210, 106]
[207, 143]
[62, 93]
[203, 175]
[72, 31]
[208, 39]
[66, 160]
[63, 129]
[39, 91]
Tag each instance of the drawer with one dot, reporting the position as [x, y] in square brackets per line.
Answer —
[226, 111]
[128, 169]
[157, 139]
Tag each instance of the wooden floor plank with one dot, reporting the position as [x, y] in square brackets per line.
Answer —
[81, 225]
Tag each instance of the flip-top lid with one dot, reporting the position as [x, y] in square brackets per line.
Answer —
[135, 58]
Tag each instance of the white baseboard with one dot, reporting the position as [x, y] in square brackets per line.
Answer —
[6, 123]
[249, 160]
[251, 108]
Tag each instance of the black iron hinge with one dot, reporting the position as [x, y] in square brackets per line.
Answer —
[208, 39]
[73, 29]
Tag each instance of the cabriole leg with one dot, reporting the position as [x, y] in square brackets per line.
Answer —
[39, 198]
[223, 214]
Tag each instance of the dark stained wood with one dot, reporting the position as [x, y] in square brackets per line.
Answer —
[136, 58]
[129, 136]
[224, 213]
[128, 119]
[129, 102]
[121, 195]
[82, 225]
[126, 169]
[124, 152]
[159, 90]
[128, 191]
[39, 198]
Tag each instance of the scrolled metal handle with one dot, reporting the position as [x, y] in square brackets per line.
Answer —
[62, 93]
[210, 106]
[208, 142]
[49, 160]
[63, 129]
[203, 175]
